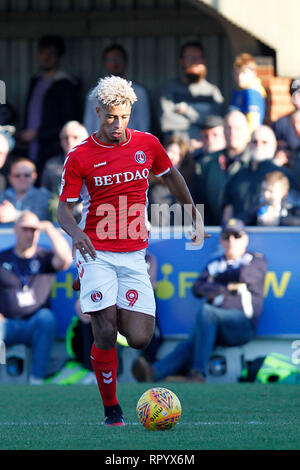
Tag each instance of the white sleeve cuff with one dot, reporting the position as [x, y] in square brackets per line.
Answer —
[72, 199]
[163, 173]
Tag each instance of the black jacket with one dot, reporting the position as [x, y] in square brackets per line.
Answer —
[249, 270]
[61, 104]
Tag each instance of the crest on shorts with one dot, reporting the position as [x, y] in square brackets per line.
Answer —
[96, 296]
[140, 157]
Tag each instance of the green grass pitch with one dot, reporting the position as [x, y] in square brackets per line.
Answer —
[214, 417]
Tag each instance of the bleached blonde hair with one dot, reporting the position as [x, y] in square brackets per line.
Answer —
[114, 91]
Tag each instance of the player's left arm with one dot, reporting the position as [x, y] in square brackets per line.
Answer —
[178, 187]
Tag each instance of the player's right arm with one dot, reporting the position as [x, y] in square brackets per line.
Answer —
[71, 183]
[80, 241]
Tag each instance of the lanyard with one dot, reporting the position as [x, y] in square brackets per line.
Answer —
[23, 277]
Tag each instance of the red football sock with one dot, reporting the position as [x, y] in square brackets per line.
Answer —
[105, 365]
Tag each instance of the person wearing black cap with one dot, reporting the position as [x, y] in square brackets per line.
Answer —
[187, 100]
[212, 137]
[232, 286]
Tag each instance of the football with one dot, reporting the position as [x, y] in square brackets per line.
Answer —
[158, 409]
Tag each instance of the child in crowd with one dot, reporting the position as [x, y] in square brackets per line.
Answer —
[278, 204]
[250, 96]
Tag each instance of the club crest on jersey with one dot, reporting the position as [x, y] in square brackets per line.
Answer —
[96, 296]
[140, 157]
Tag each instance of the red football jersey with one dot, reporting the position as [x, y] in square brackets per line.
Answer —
[112, 181]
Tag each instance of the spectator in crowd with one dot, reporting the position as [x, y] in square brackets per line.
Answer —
[243, 189]
[53, 99]
[186, 101]
[213, 170]
[163, 207]
[284, 129]
[71, 135]
[8, 118]
[284, 156]
[277, 204]
[295, 161]
[237, 137]
[290, 159]
[250, 96]
[295, 121]
[274, 191]
[22, 194]
[26, 274]
[4, 151]
[8, 115]
[212, 137]
[232, 286]
[115, 61]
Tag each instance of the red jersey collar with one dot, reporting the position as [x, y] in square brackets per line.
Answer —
[106, 145]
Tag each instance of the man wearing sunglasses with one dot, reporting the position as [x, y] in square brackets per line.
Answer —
[27, 271]
[22, 194]
[232, 286]
[243, 189]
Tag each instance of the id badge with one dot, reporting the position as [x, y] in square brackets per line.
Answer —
[26, 297]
